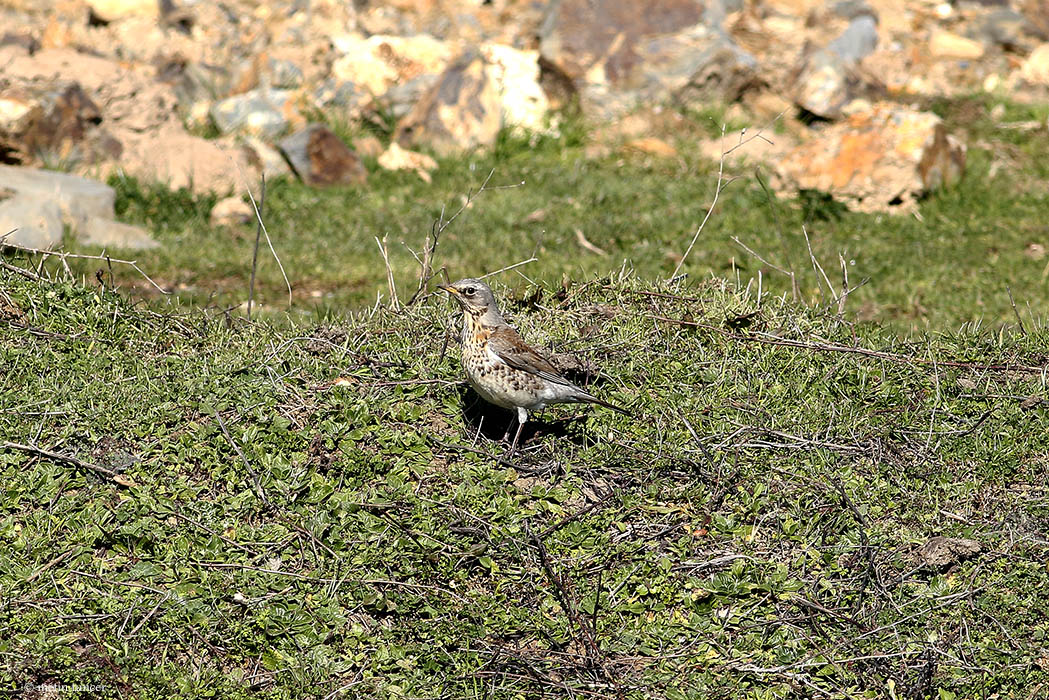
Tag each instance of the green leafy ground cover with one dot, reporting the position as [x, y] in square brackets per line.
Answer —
[321, 510]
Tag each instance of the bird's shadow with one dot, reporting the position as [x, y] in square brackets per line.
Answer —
[494, 422]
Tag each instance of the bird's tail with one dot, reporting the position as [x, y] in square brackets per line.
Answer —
[589, 398]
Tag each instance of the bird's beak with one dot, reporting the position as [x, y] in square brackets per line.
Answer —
[448, 288]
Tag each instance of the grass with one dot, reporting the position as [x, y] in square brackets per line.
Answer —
[956, 262]
[314, 504]
[749, 533]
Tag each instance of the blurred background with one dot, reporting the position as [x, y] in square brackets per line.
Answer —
[891, 146]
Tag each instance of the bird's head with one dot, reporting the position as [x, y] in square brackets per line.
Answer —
[473, 295]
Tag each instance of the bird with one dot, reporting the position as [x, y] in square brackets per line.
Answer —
[501, 367]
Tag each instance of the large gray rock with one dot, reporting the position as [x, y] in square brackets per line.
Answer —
[78, 198]
[40, 203]
[29, 222]
[621, 52]
[108, 233]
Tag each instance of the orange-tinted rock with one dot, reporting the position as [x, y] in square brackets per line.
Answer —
[881, 159]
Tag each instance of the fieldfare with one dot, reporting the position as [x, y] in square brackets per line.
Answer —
[501, 367]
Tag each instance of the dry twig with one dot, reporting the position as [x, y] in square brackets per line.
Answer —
[113, 476]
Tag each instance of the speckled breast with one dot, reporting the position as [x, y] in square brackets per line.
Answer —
[494, 380]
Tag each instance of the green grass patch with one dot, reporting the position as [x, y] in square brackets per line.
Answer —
[319, 510]
[954, 262]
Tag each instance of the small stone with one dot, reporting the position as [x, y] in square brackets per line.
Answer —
[397, 158]
[401, 98]
[196, 86]
[30, 222]
[258, 113]
[108, 233]
[284, 74]
[522, 101]
[113, 10]
[320, 158]
[232, 211]
[368, 146]
[822, 86]
[1035, 69]
[859, 39]
[652, 146]
[947, 45]
[941, 553]
[331, 93]
[1007, 28]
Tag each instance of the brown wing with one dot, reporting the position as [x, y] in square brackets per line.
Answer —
[511, 349]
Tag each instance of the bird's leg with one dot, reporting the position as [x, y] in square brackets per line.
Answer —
[522, 418]
[506, 435]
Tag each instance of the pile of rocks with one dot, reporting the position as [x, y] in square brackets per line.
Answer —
[208, 95]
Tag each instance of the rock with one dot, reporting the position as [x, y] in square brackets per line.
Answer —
[1006, 28]
[331, 94]
[941, 553]
[880, 160]
[1037, 13]
[113, 10]
[617, 52]
[29, 222]
[320, 158]
[479, 94]
[515, 73]
[232, 211]
[44, 201]
[284, 74]
[461, 111]
[265, 157]
[400, 99]
[947, 45]
[376, 63]
[652, 146]
[262, 113]
[42, 118]
[196, 86]
[1035, 69]
[858, 40]
[178, 159]
[107, 233]
[397, 158]
[77, 198]
[824, 83]
[368, 146]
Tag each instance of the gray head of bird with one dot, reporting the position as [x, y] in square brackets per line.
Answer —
[473, 295]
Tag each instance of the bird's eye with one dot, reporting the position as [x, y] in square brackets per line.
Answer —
[470, 291]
